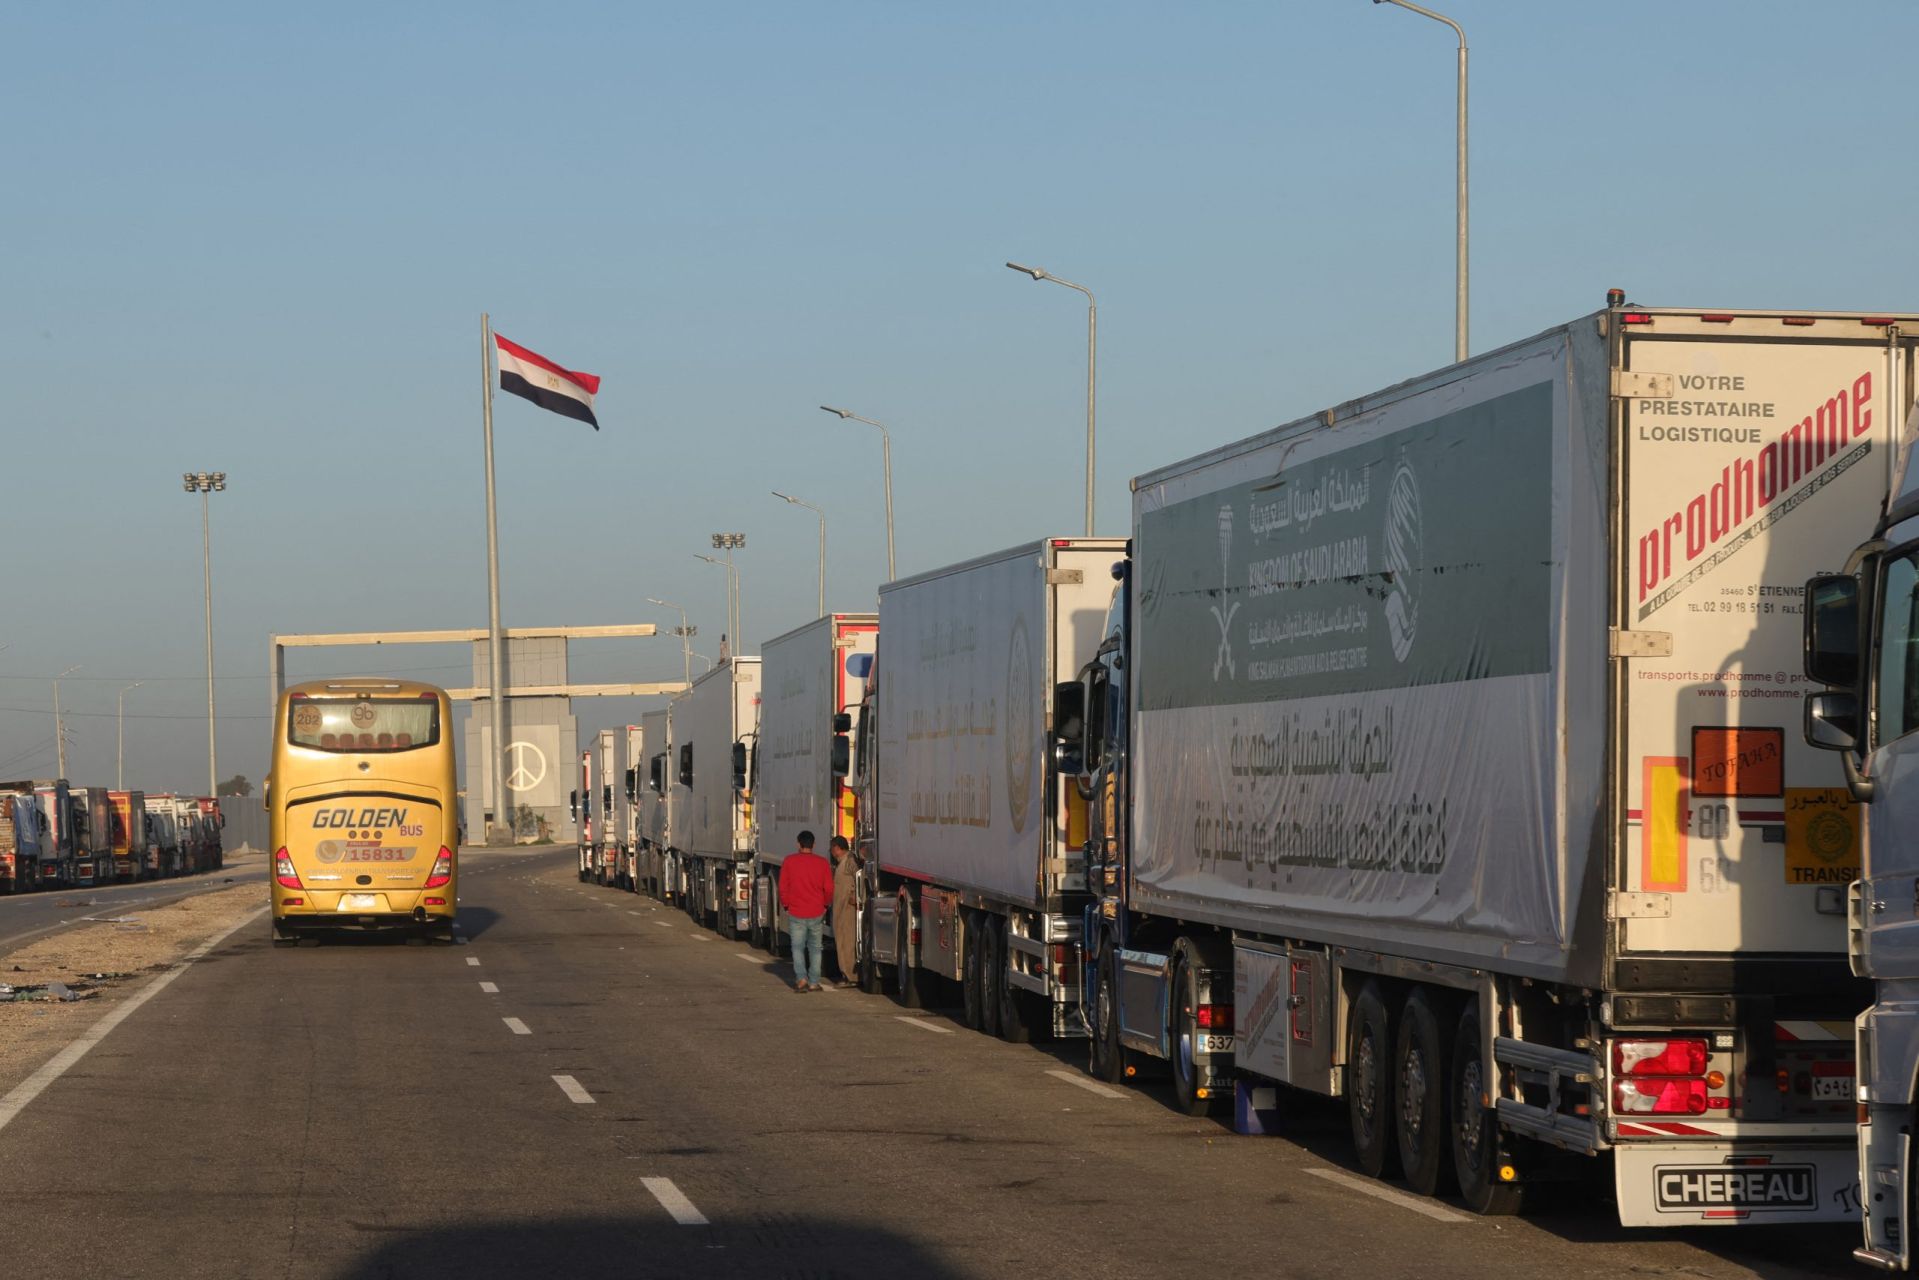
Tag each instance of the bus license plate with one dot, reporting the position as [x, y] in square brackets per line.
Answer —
[359, 901]
[1215, 1044]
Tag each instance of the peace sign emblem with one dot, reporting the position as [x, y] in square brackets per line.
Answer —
[526, 766]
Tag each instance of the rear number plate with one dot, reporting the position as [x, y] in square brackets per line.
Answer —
[1832, 1088]
[1215, 1044]
[359, 901]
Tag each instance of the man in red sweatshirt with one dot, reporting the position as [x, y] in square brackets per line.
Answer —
[806, 890]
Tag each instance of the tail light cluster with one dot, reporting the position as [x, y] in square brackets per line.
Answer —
[1215, 1017]
[442, 873]
[1665, 1078]
[283, 872]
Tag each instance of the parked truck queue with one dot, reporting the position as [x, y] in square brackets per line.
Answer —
[1429, 753]
[58, 835]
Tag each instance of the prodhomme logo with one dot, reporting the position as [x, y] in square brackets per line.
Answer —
[1750, 484]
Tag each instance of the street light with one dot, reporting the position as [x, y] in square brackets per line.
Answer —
[685, 633]
[886, 458]
[206, 483]
[59, 727]
[120, 756]
[1092, 366]
[729, 643]
[1459, 301]
[799, 502]
[727, 542]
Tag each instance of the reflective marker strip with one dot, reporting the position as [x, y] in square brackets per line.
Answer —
[673, 1201]
[571, 1088]
[489, 988]
[1091, 1086]
[923, 1024]
[1367, 1187]
[517, 1027]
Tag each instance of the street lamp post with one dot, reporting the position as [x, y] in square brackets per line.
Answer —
[886, 459]
[727, 542]
[120, 755]
[207, 483]
[59, 726]
[729, 643]
[1092, 367]
[1459, 284]
[685, 634]
[800, 502]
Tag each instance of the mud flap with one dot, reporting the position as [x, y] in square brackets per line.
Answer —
[1719, 1184]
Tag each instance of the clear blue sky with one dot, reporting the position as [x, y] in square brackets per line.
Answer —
[241, 238]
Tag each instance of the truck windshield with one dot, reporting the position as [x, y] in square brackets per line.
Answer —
[1896, 700]
[364, 724]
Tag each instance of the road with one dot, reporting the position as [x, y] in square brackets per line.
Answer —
[26, 916]
[591, 1086]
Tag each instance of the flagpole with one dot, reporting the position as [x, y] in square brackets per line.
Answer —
[502, 821]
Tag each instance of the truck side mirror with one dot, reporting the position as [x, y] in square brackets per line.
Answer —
[1069, 726]
[842, 752]
[632, 785]
[1832, 618]
[739, 766]
[842, 723]
[1832, 721]
[573, 805]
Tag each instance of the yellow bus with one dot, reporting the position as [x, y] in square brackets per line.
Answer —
[362, 800]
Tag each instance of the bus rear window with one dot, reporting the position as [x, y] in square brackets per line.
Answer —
[364, 724]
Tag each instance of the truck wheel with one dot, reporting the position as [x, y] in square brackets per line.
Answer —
[906, 986]
[1108, 1057]
[1182, 1015]
[726, 906]
[756, 933]
[970, 1001]
[1475, 1126]
[1016, 1016]
[1369, 1082]
[992, 971]
[1421, 1065]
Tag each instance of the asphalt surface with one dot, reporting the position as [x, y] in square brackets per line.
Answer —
[638, 1097]
[26, 916]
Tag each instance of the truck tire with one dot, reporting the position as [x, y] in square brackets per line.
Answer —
[972, 933]
[992, 971]
[1182, 1033]
[906, 985]
[1475, 1125]
[1369, 1082]
[869, 968]
[1108, 1058]
[1422, 1062]
[1016, 1004]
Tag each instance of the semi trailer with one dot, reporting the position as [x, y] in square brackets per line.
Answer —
[1436, 758]
[714, 725]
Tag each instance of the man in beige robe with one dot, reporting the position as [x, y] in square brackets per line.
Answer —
[846, 915]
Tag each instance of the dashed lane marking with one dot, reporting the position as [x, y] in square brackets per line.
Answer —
[923, 1024]
[1367, 1187]
[674, 1201]
[473, 960]
[1091, 1086]
[490, 988]
[747, 955]
[571, 1088]
[517, 1027]
[664, 924]
[14, 1102]
[699, 937]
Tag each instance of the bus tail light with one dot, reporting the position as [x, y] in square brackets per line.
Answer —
[283, 871]
[442, 873]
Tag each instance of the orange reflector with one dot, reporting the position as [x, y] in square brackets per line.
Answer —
[1717, 319]
[1132, 1071]
[1635, 317]
[1507, 1173]
[1715, 1079]
[1881, 321]
[1795, 320]
[1202, 1093]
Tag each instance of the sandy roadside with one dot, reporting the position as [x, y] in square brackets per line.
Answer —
[103, 963]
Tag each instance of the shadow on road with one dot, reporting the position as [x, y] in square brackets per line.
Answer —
[768, 1244]
[475, 921]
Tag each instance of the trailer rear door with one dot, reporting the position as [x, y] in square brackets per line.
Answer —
[1755, 451]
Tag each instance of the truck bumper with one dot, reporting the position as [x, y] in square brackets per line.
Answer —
[1733, 1184]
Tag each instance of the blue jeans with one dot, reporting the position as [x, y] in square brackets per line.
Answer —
[808, 941]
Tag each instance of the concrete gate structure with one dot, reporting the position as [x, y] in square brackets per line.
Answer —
[542, 754]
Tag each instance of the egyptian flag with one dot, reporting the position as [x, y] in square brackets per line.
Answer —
[530, 374]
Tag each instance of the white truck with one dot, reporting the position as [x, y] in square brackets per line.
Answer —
[654, 803]
[714, 723]
[812, 679]
[632, 766]
[973, 867]
[580, 807]
[609, 807]
[1437, 755]
[1862, 648]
